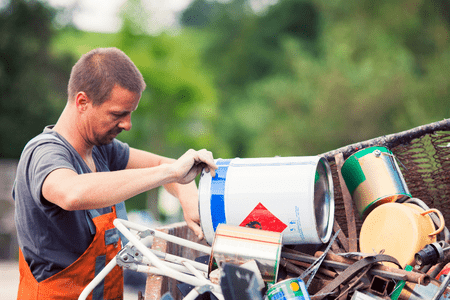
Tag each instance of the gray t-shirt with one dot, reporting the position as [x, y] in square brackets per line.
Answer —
[50, 237]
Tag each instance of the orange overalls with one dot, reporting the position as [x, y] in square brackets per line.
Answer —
[70, 282]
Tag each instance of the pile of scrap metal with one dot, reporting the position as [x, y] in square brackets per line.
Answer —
[252, 264]
[272, 234]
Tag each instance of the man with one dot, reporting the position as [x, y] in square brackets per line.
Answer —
[73, 178]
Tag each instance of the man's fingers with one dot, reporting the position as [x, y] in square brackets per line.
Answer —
[212, 171]
[206, 157]
[197, 229]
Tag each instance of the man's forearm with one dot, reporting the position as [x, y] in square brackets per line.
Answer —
[97, 190]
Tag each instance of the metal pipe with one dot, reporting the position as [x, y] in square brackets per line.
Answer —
[291, 262]
[416, 277]
[181, 260]
[97, 279]
[178, 267]
[119, 223]
[396, 274]
[167, 237]
[194, 271]
[442, 288]
[153, 270]
[194, 293]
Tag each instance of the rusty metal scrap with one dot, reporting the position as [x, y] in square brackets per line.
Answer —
[352, 270]
[380, 270]
[415, 276]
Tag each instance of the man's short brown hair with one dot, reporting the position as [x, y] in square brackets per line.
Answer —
[99, 70]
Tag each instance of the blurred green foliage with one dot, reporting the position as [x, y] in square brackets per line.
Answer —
[32, 80]
[299, 77]
[306, 77]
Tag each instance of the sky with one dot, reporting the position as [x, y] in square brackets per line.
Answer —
[102, 15]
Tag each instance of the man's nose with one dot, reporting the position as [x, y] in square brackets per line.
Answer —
[125, 123]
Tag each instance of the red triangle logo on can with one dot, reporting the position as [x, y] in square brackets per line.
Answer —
[260, 217]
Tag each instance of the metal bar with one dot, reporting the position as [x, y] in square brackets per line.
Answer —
[442, 288]
[341, 236]
[416, 277]
[348, 205]
[316, 265]
[339, 265]
[194, 293]
[97, 279]
[178, 267]
[194, 271]
[156, 261]
[180, 260]
[167, 237]
[288, 263]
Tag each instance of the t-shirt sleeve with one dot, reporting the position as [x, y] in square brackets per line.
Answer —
[117, 154]
[45, 159]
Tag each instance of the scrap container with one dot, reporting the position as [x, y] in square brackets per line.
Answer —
[422, 153]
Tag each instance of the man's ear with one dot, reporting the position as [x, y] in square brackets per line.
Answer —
[82, 101]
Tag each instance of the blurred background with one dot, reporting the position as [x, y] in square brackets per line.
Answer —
[242, 78]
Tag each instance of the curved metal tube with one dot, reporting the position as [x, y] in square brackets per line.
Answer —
[97, 279]
[160, 267]
[165, 236]
[155, 260]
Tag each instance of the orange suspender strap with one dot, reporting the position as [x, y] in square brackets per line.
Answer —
[111, 237]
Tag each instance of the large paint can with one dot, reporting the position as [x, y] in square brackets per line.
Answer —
[373, 178]
[290, 195]
[289, 289]
[238, 245]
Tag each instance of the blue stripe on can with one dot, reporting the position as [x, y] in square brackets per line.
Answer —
[218, 193]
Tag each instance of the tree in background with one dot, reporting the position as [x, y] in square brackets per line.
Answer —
[299, 77]
[305, 77]
[179, 104]
[32, 80]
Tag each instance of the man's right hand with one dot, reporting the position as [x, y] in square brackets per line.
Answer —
[191, 164]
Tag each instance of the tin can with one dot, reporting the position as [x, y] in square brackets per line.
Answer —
[373, 177]
[288, 289]
[238, 245]
[290, 195]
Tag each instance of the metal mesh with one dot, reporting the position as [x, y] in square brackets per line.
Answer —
[424, 162]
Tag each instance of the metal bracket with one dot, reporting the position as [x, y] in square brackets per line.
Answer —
[204, 288]
[146, 233]
[129, 256]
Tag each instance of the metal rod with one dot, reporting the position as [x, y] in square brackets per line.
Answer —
[175, 266]
[442, 288]
[194, 271]
[97, 279]
[339, 265]
[119, 224]
[416, 277]
[180, 260]
[168, 237]
[153, 270]
[316, 265]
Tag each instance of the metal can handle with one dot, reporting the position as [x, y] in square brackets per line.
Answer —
[441, 219]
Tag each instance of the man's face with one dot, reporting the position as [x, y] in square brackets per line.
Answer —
[107, 120]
